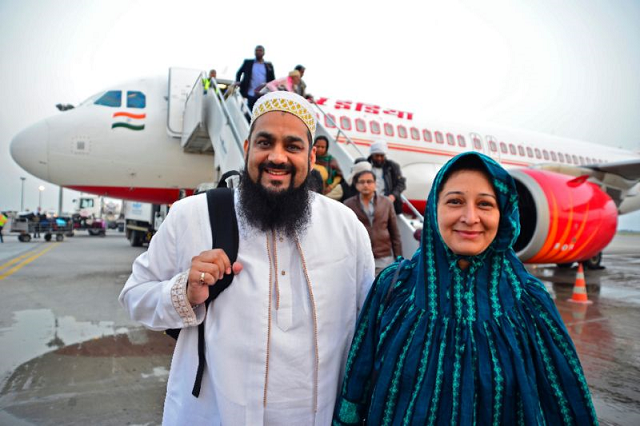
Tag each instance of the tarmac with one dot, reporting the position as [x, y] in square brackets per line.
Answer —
[73, 357]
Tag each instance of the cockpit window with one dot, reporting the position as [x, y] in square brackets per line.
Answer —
[113, 98]
[90, 99]
[136, 100]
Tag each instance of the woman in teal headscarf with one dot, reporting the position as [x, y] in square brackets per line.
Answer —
[462, 333]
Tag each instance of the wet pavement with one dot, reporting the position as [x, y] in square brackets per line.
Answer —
[71, 356]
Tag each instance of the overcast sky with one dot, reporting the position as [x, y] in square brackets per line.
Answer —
[568, 68]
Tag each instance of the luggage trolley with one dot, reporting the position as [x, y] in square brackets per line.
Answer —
[50, 228]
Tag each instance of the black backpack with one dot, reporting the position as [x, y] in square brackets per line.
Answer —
[224, 235]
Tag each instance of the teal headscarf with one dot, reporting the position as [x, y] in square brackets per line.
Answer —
[484, 345]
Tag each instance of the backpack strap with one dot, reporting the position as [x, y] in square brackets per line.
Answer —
[224, 235]
[224, 232]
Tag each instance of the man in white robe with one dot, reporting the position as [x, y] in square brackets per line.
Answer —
[277, 338]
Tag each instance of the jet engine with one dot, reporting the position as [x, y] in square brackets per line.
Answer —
[563, 219]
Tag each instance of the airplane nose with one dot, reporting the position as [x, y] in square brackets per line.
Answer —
[30, 149]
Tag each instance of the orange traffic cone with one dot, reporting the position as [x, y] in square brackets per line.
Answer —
[580, 288]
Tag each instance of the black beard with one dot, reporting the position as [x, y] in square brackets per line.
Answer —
[287, 211]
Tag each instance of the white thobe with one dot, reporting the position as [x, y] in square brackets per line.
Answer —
[339, 261]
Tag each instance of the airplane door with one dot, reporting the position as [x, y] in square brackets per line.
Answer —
[491, 147]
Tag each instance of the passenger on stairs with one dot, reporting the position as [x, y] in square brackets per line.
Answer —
[253, 75]
[289, 83]
[359, 165]
[377, 215]
[390, 181]
[302, 87]
[333, 177]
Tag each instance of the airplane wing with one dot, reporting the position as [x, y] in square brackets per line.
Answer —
[629, 170]
[618, 179]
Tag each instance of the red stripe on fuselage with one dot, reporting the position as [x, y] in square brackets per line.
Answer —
[145, 195]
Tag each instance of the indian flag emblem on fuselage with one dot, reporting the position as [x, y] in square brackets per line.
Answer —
[132, 121]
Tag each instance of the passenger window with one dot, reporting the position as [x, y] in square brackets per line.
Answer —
[345, 123]
[503, 148]
[529, 152]
[402, 132]
[415, 134]
[426, 134]
[492, 146]
[568, 158]
[554, 157]
[537, 152]
[581, 159]
[136, 100]
[388, 129]
[329, 121]
[512, 149]
[361, 126]
[450, 139]
[575, 159]
[112, 98]
[521, 150]
[561, 157]
[461, 141]
[375, 127]
[439, 138]
[545, 154]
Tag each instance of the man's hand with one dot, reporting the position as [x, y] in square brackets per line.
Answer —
[214, 264]
[391, 198]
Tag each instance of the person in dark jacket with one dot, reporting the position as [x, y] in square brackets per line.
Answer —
[253, 75]
[390, 181]
[377, 215]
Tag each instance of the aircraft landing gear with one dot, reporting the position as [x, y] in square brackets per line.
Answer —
[592, 263]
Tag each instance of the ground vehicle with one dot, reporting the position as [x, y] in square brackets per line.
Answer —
[49, 227]
[142, 220]
[95, 215]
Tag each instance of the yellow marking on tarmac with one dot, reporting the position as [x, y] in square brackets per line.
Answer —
[19, 258]
[26, 259]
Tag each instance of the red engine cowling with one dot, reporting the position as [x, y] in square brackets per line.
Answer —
[563, 219]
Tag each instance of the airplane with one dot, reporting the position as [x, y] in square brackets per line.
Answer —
[146, 140]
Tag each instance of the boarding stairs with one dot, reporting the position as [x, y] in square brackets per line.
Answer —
[217, 124]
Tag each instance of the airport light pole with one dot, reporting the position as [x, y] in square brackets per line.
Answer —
[40, 188]
[22, 193]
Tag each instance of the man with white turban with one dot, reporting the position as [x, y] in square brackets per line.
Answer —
[277, 337]
[389, 179]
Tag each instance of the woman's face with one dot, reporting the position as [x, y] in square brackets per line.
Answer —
[321, 147]
[468, 213]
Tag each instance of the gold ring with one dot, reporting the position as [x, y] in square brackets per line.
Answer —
[201, 278]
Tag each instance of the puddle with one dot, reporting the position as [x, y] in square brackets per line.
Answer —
[36, 332]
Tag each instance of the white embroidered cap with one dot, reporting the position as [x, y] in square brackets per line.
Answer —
[286, 102]
[363, 166]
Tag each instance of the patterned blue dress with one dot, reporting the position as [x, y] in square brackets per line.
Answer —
[484, 345]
